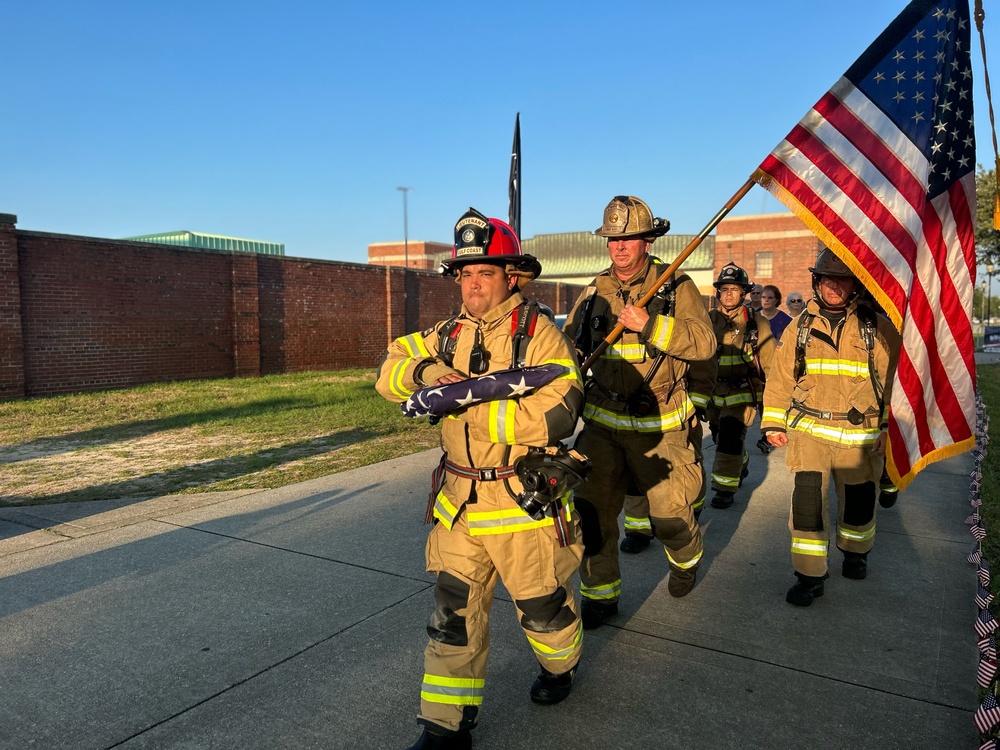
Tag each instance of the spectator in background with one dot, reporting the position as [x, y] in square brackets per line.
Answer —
[770, 299]
[795, 303]
[755, 294]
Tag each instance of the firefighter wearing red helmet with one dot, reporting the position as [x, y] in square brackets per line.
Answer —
[827, 399]
[745, 349]
[639, 422]
[480, 529]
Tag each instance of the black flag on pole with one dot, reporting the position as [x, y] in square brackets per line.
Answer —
[514, 189]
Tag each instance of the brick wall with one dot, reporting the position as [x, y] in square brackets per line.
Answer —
[83, 313]
[792, 245]
[11, 346]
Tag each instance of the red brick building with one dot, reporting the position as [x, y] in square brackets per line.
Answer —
[773, 248]
[416, 254]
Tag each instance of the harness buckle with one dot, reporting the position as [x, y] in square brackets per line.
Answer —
[488, 475]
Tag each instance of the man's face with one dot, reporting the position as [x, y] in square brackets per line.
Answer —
[484, 286]
[835, 291]
[627, 256]
[755, 295]
[731, 296]
[795, 303]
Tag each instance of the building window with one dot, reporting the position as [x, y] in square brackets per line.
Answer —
[763, 265]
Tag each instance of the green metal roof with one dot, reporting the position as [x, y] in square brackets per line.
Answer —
[186, 238]
[582, 254]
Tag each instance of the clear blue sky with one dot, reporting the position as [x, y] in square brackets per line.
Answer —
[295, 122]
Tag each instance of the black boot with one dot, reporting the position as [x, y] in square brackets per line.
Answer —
[549, 688]
[443, 739]
[594, 613]
[634, 542]
[805, 590]
[855, 566]
[722, 499]
[681, 581]
[887, 498]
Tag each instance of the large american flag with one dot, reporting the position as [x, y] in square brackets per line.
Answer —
[882, 169]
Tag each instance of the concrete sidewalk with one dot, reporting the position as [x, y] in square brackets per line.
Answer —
[294, 618]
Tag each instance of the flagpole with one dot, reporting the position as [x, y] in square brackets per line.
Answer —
[514, 183]
[619, 329]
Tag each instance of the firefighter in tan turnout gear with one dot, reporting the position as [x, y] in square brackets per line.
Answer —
[480, 530]
[827, 399]
[638, 419]
[745, 349]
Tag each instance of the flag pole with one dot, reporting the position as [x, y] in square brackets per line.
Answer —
[514, 183]
[671, 269]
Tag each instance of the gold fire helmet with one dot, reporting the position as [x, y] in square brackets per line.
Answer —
[627, 217]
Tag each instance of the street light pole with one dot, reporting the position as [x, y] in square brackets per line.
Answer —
[406, 239]
[982, 302]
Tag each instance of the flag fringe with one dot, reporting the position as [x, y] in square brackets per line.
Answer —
[938, 454]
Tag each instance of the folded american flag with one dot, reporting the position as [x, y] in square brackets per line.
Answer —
[437, 400]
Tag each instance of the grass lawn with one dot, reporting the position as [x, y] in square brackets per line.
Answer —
[988, 379]
[199, 436]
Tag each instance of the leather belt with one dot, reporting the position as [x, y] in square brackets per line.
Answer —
[489, 474]
[853, 416]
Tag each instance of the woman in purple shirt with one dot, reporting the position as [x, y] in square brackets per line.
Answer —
[770, 298]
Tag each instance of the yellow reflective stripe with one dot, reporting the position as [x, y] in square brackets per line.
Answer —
[663, 329]
[501, 421]
[503, 522]
[555, 654]
[836, 367]
[732, 360]
[698, 399]
[696, 505]
[683, 565]
[572, 373]
[856, 536]
[396, 379]
[733, 399]
[454, 691]
[414, 345]
[444, 510]
[653, 423]
[839, 435]
[627, 352]
[815, 547]
[637, 524]
[726, 481]
[773, 415]
[512, 520]
[608, 591]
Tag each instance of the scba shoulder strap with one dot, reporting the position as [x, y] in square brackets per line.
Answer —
[867, 324]
[751, 338]
[522, 325]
